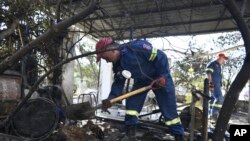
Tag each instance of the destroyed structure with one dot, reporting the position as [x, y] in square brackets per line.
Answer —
[36, 75]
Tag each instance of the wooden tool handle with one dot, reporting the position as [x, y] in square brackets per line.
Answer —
[127, 95]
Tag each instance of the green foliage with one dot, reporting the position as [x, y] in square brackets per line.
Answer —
[33, 18]
[190, 72]
[87, 71]
[89, 75]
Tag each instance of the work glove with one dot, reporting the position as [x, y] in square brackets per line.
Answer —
[106, 104]
[158, 83]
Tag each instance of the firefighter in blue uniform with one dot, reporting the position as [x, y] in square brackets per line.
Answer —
[145, 64]
[215, 79]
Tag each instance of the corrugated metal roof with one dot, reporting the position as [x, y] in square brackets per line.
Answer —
[125, 19]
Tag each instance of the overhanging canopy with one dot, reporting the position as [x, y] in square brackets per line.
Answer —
[126, 19]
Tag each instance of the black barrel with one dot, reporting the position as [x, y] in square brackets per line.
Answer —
[36, 119]
[185, 117]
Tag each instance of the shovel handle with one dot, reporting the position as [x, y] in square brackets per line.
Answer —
[127, 95]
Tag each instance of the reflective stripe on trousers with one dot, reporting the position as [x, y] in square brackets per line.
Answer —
[132, 113]
[173, 121]
[216, 105]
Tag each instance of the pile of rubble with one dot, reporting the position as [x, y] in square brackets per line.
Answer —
[101, 130]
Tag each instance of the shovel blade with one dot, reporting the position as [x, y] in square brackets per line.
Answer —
[79, 111]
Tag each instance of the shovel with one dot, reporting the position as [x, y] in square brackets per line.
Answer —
[84, 110]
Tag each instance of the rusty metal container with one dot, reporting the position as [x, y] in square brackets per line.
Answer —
[10, 93]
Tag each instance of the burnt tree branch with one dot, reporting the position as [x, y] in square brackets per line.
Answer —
[10, 61]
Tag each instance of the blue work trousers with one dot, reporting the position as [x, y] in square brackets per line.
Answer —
[167, 103]
[217, 100]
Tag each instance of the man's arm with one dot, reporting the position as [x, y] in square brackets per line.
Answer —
[209, 71]
[209, 76]
[116, 88]
[161, 64]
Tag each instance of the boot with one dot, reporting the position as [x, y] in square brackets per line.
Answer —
[130, 133]
[179, 137]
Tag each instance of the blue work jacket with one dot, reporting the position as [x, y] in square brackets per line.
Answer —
[214, 68]
[143, 61]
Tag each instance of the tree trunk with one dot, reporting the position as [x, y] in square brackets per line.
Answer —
[10, 61]
[241, 78]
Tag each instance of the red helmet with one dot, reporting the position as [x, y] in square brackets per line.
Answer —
[222, 55]
[102, 44]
